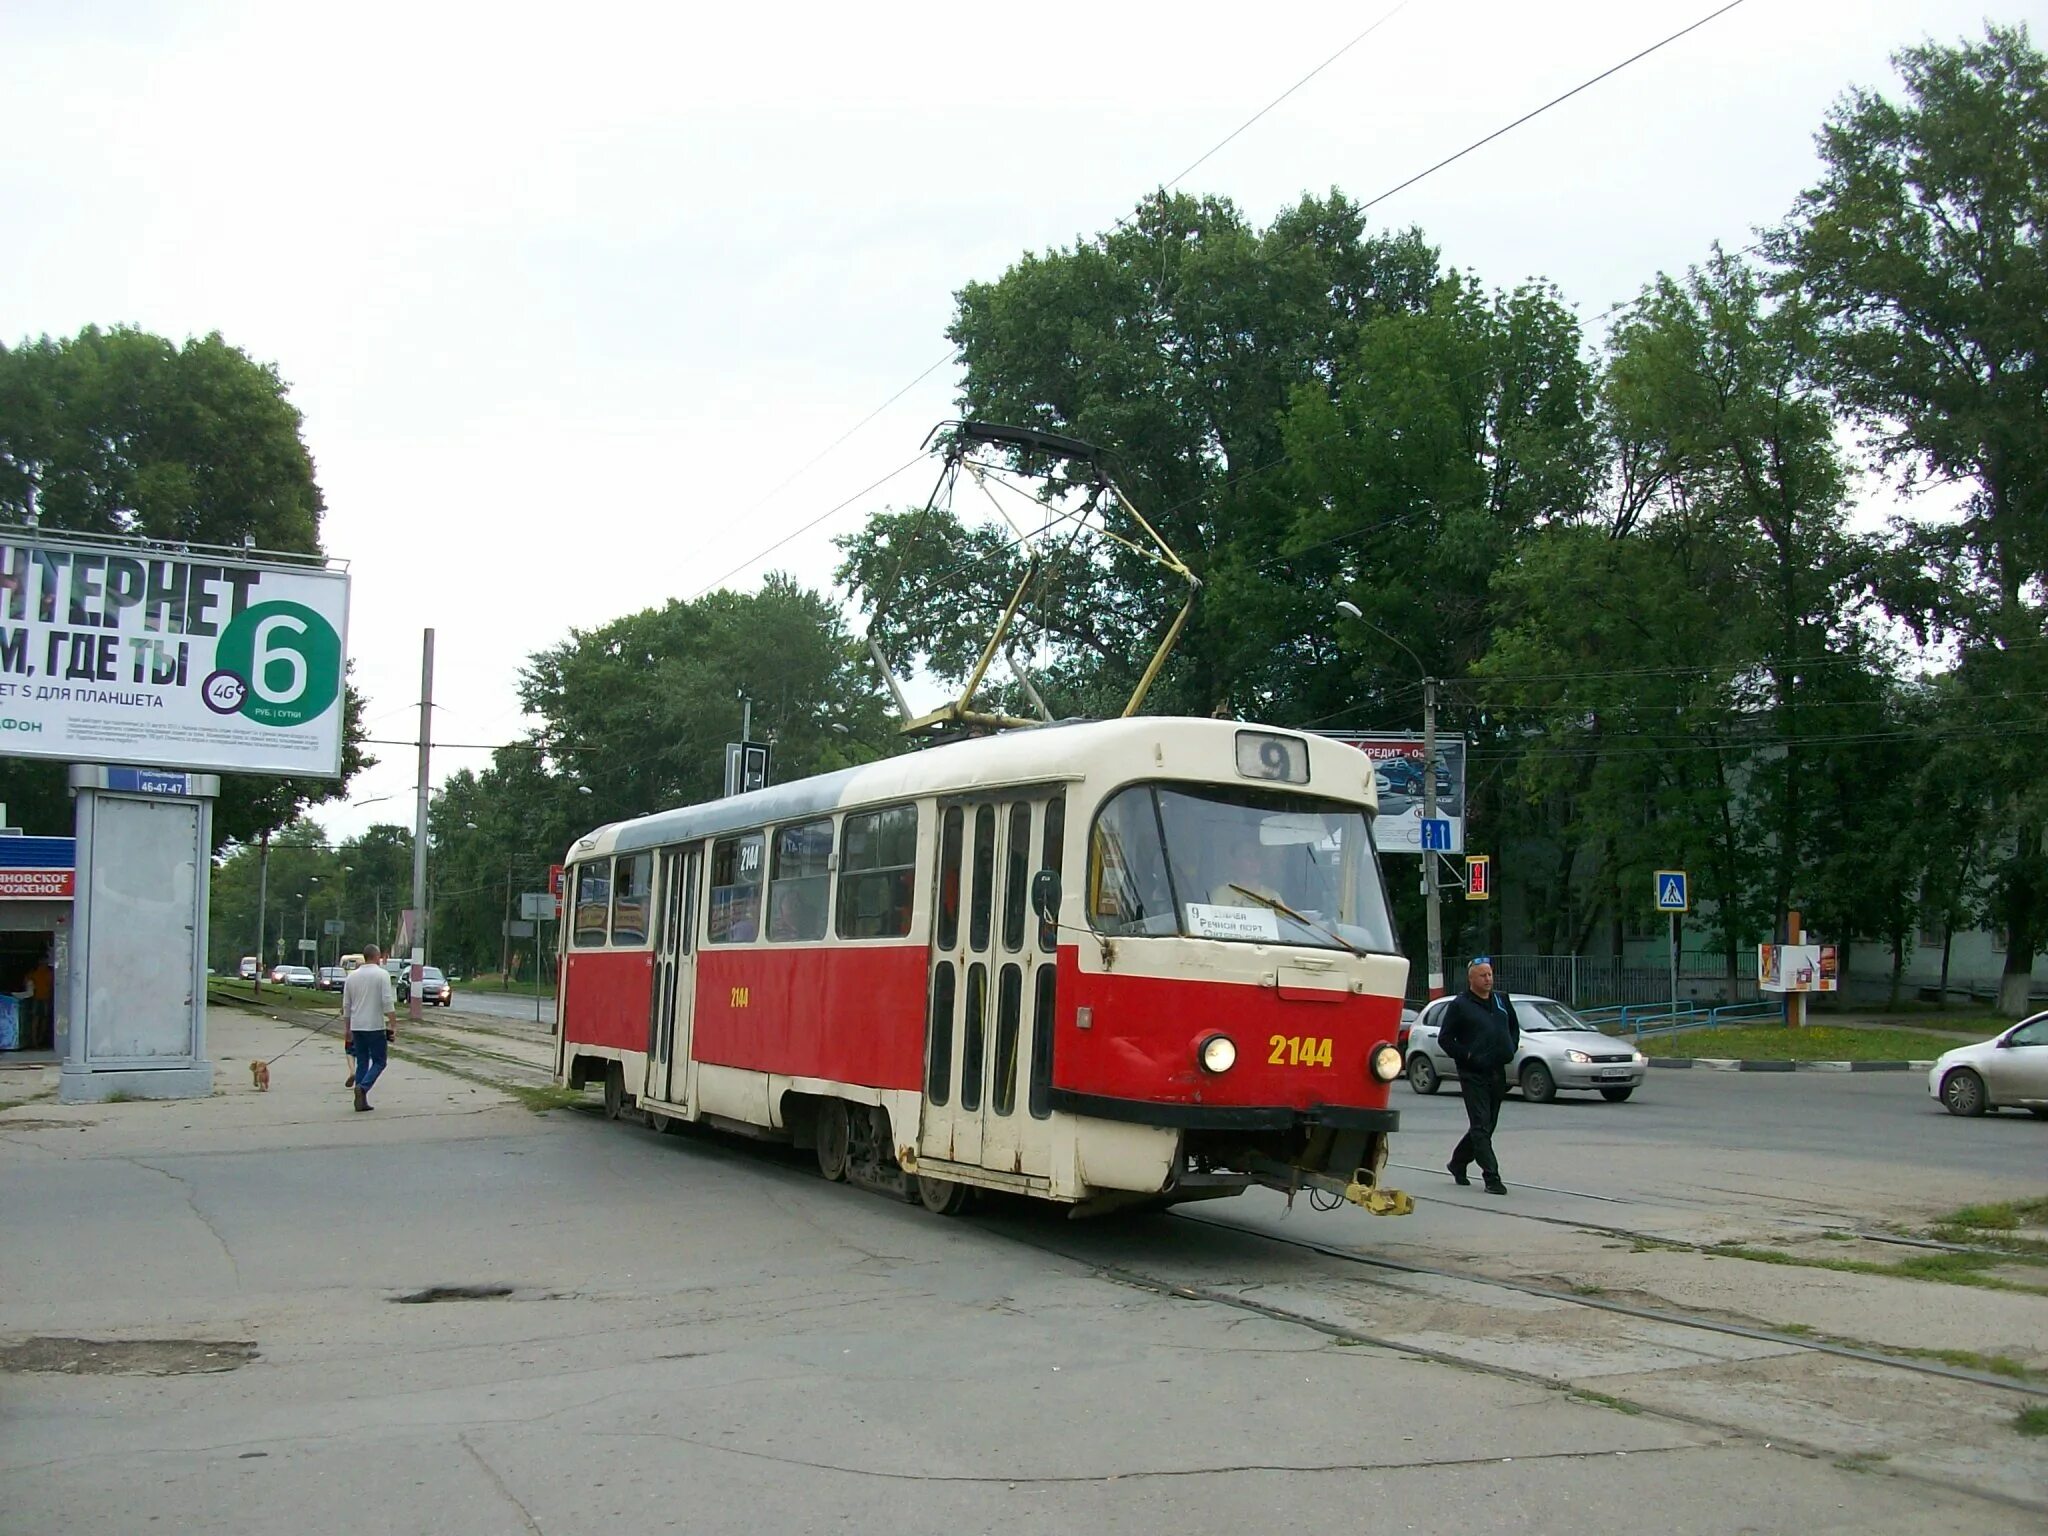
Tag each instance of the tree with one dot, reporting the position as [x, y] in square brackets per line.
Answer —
[1175, 341]
[123, 432]
[634, 718]
[639, 710]
[1920, 252]
[1695, 658]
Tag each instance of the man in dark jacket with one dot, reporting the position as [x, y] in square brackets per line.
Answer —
[1480, 1034]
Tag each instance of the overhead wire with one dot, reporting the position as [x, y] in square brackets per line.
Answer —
[1558, 100]
[949, 354]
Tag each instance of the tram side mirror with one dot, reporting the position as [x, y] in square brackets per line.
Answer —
[1045, 895]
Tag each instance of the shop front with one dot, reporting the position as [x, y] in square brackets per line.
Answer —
[38, 878]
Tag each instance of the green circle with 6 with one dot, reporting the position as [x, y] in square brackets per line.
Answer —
[289, 656]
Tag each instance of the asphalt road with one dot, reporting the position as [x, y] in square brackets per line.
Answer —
[499, 1005]
[699, 1334]
[1858, 1143]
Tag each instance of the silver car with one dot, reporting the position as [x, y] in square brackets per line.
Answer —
[1560, 1052]
[2008, 1071]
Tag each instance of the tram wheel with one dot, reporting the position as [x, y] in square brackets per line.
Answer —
[614, 1091]
[1423, 1076]
[659, 1123]
[1538, 1086]
[835, 1139]
[943, 1197]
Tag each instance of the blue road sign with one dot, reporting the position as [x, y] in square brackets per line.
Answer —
[1672, 892]
[1436, 833]
[149, 781]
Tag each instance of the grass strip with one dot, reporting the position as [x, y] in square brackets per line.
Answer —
[1942, 1268]
[1815, 1042]
[2000, 1216]
[2031, 1421]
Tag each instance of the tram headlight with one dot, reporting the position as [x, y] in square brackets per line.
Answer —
[1386, 1063]
[1218, 1054]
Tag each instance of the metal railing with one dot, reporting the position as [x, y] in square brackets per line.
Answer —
[1640, 1019]
[1601, 981]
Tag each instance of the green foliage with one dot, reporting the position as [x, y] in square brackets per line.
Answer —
[123, 432]
[1920, 253]
[365, 883]
[1176, 341]
[638, 712]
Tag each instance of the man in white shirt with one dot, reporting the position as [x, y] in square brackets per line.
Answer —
[369, 1020]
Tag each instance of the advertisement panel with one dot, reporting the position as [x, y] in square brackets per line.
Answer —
[113, 653]
[1798, 968]
[1397, 770]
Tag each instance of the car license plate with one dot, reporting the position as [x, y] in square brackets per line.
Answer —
[1604, 1075]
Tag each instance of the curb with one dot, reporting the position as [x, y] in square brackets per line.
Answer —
[1722, 1064]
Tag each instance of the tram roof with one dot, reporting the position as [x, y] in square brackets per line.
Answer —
[1044, 754]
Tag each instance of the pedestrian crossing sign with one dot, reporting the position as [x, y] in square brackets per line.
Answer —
[1673, 894]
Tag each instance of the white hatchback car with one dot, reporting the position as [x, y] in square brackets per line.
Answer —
[2008, 1071]
[1560, 1052]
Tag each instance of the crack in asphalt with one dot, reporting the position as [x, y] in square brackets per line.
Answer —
[192, 1204]
[1141, 1474]
[498, 1483]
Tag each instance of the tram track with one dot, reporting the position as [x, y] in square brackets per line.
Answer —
[1010, 1229]
[1825, 1229]
[1668, 1317]
[1026, 1225]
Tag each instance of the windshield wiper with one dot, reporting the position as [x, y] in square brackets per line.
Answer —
[1307, 922]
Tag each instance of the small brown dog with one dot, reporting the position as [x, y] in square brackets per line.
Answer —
[259, 1074]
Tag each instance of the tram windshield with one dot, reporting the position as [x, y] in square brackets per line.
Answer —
[1237, 864]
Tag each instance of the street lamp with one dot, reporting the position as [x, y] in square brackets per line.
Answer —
[1432, 917]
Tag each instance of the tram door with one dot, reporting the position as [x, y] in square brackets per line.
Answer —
[668, 1017]
[988, 1000]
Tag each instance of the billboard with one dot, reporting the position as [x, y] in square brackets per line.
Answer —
[1798, 968]
[136, 653]
[1397, 771]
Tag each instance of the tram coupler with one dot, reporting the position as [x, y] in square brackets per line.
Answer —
[1360, 1189]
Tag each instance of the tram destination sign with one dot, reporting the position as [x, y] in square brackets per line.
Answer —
[149, 654]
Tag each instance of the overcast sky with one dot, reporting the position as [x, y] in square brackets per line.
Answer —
[566, 294]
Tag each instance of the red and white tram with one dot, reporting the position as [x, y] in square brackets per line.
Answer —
[1107, 964]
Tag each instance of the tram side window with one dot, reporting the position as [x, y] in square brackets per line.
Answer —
[593, 903]
[635, 873]
[982, 904]
[1041, 1043]
[734, 915]
[1016, 876]
[877, 873]
[1050, 858]
[949, 878]
[800, 885]
[1128, 889]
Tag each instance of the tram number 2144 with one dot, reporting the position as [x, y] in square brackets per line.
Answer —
[1298, 1051]
[739, 997]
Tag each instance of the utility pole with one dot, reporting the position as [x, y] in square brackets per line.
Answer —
[1432, 915]
[262, 907]
[505, 947]
[419, 829]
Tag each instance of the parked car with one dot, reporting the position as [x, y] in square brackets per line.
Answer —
[249, 969]
[435, 988]
[298, 976]
[2008, 1071]
[331, 978]
[1560, 1052]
